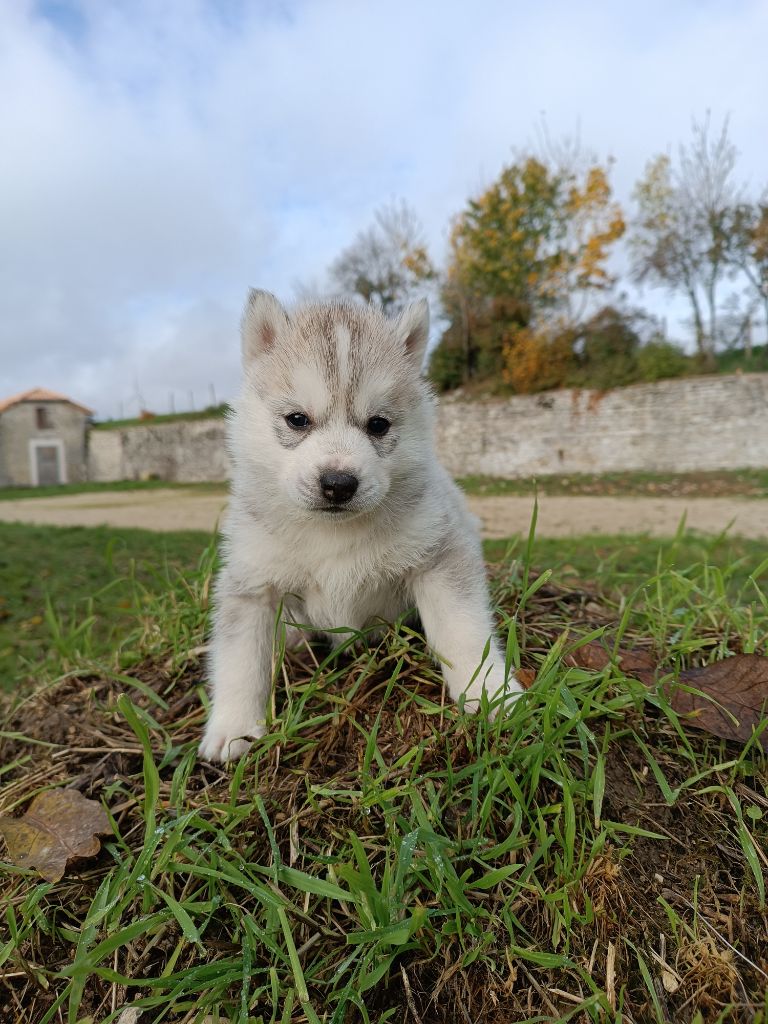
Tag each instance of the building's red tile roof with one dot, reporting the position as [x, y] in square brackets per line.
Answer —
[41, 395]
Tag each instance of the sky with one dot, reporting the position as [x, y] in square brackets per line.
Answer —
[158, 159]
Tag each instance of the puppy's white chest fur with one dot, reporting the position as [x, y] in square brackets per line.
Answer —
[338, 605]
[332, 582]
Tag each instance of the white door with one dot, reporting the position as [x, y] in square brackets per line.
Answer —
[48, 458]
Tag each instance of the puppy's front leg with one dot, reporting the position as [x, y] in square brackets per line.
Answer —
[455, 612]
[240, 673]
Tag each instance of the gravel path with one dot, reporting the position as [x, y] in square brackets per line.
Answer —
[565, 517]
[179, 509]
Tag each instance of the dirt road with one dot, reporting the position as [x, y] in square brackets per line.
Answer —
[179, 509]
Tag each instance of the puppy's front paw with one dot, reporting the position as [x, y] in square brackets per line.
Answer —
[501, 692]
[224, 741]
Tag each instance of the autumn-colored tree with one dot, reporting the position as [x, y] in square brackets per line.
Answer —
[472, 346]
[388, 261]
[748, 252]
[524, 256]
[506, 243]
[680, 238]
[593, 223]
[536, 360]
[610, 348]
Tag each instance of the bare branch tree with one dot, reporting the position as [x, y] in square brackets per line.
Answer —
[388, 261]
[748, 252]
[681, 235]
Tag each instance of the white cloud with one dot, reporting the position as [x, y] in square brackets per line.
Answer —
[159, 158]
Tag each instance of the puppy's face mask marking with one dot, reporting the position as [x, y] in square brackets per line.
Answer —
[336, 393]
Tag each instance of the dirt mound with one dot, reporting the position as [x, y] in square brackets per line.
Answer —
[657, 915]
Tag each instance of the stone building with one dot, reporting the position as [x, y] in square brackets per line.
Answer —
[43, 438]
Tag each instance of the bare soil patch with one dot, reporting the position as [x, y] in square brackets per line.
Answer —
[162, 509]
[501, 516]
[560, 516]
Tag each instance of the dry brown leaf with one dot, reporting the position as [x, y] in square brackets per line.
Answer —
[60, 825]
[671, 981]
[739, 685]
[526, 677]
[638, 663]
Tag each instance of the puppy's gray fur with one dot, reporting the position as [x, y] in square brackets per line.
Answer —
[405, 538]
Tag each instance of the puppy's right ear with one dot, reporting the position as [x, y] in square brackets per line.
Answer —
[263, 318]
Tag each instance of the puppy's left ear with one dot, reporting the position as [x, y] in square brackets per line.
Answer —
[413, 328]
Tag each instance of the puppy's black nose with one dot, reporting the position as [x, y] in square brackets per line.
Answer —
[338, 487]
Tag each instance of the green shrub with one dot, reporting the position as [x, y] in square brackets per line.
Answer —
[606, 350]
[446, 366]
[660, 359]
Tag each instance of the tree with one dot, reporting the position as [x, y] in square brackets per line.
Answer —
[680, 239]
[387, 262]
[525, 257]
[473, 346]
[505, 244]
[748, 235]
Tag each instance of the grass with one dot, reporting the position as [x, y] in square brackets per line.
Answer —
[210, 412]
[91, 487]
[70, 593]
[614, 563]
[382, 856]
[73, 593]
[751, 483]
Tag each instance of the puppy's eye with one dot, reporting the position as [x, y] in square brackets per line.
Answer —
[378, 426]
[297, 420]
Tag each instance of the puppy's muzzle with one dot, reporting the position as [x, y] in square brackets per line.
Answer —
[338, 487]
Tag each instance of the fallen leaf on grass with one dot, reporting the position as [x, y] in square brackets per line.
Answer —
[736, 688]
[59, 826]
[640, 664]
[739, 685]
[526, 677]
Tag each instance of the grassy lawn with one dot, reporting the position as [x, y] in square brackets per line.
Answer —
[61, 490]
[211, 412]
[752, 483]
[71, 594]
[380, 855]
[614, 563]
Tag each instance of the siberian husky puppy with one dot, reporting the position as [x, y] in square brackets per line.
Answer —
[340, 510]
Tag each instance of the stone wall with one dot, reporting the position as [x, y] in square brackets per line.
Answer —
[698, 423]
[185, 450]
